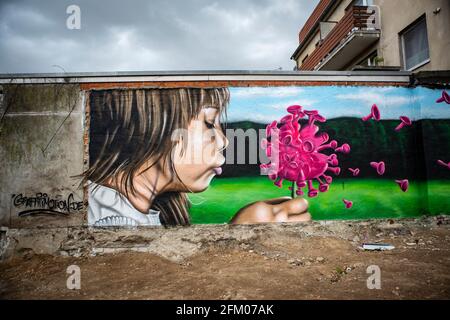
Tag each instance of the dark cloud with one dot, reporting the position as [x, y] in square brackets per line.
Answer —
[150, 35]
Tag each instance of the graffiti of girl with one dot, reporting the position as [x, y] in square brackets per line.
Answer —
[148, 149]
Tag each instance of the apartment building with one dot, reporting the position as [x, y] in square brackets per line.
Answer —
[412, 35]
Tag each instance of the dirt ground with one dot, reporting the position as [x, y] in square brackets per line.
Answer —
[281, 267]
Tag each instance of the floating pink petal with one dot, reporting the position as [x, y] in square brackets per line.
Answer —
[379, 166]
[405, 121]
[355, 172]
[374, 114]
[444, 98]
[403, 184]
[348, 203]
[442, 163]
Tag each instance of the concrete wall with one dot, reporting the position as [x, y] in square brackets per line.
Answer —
[338, 13]
[41, 147]
[44, 145]
[308, 49]
[399, 14]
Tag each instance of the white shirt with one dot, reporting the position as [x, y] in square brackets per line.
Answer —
[107, 208]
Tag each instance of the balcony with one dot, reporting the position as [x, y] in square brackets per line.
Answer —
[351, 36]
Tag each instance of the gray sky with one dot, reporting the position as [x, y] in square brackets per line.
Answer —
[151, 35]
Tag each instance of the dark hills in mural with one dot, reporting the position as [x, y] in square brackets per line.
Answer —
[410, 153]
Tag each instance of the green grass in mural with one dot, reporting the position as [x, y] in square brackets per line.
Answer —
[372, 198]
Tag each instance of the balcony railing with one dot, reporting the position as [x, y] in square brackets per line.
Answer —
[356, 18]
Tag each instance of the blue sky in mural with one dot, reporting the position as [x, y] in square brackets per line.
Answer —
[265, 104]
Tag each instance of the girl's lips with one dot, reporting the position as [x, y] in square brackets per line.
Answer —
[218, 170]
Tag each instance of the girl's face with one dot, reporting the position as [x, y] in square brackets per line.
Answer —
[202, 156]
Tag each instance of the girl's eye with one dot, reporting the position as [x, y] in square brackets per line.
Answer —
[209, 125]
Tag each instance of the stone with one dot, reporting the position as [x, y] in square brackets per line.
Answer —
[320, 259]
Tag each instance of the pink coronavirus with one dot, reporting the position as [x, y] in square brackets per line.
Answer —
[296, 152]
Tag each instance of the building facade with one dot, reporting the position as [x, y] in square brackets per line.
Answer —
[407, 35]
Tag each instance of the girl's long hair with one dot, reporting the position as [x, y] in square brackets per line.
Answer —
[130, 126]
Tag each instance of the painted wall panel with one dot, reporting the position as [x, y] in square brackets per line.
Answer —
[412, 184]
[53, 136]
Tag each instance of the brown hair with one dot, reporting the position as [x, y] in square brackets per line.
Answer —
[130, 126]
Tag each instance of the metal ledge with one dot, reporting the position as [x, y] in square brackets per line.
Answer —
[206, 75]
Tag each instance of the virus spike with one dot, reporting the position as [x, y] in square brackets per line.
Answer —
[316, 117]
[311, 191]
[324, 136]
[328, 179]
[287, 119]
[333, 160]
[273, 176]
[345, 148]
[296, 110]
[301, 176]
[301, 184]
[332, 145]
[279, 183]
[335, 170]
[324, 187]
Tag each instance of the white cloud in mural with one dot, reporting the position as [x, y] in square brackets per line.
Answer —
[272, 92]
[282, 105]
[379, 97]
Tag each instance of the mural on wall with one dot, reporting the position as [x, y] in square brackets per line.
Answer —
[255, 154]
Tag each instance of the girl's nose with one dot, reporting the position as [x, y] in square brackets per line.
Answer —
[222, 141]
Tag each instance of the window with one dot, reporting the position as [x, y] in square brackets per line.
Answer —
[304, 59]
[325, 28]
[369, 61]
[414, 43]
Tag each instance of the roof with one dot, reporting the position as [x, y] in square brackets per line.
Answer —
[205, 75]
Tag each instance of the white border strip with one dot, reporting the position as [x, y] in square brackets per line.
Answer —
[204, 78]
